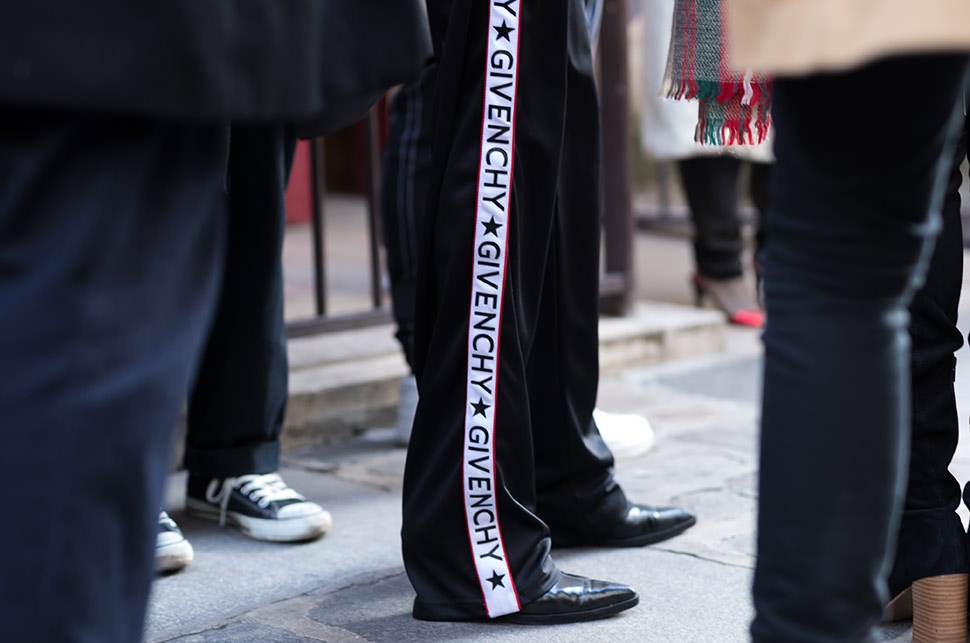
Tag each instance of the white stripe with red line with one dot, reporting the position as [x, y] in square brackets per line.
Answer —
[485, 310]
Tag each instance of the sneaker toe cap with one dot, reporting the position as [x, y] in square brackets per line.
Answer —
[300, 510]
[167, 538]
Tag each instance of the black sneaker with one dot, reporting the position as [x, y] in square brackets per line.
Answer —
[172, 551]
[262, 506]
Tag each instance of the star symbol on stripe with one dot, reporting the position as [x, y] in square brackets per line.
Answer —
[491, 226]
[480, 407]
[504, 30]
[496, 580]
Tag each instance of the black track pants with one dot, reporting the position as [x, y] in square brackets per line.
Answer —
[506, 316]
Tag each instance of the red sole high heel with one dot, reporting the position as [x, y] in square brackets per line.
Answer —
[731, 296]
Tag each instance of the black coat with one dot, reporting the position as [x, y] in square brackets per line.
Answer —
[324, 60]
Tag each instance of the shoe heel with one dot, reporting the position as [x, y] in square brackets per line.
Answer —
[940, 609]
[900, 608]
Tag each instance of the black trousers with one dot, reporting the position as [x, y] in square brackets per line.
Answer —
[406, 165]
[111, 234]
[236, 407]
[711, 186]
[854, 211]
[404, 186]
[504, 458]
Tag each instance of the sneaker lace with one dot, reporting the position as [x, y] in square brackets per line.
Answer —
[164, 520]
[260, 488]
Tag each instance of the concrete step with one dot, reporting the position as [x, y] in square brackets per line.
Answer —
[341, 383]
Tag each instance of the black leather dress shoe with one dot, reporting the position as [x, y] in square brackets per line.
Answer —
[645, 525]
[576, 598]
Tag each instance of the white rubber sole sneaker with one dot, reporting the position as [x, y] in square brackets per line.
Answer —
[172, 553]
[626, 434]
[303, 521]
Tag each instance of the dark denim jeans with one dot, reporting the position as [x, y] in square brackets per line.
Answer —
[932, 540]
[853, 212]
[111, 233]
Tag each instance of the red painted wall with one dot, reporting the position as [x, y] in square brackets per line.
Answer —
[299, 196]
[346, 169]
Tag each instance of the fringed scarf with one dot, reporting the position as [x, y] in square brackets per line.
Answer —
[733, 108]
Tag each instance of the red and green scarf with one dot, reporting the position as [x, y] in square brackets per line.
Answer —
[733, 107]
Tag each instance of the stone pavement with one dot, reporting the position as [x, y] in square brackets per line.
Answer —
[351, 586]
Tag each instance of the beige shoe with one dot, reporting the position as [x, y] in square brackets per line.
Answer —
[938, 607]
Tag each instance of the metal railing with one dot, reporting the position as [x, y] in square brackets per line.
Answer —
[616, 282]
[378, 313]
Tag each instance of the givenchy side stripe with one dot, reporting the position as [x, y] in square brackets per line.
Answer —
[485, 314]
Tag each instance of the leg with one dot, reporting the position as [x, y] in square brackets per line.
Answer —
[470, 476]
[577, 495]
[447, 580]
[846, 252]
[932, 540]
[711, 186]
[110, 245]
[928, 582]
[237, 404]
[407, 159]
